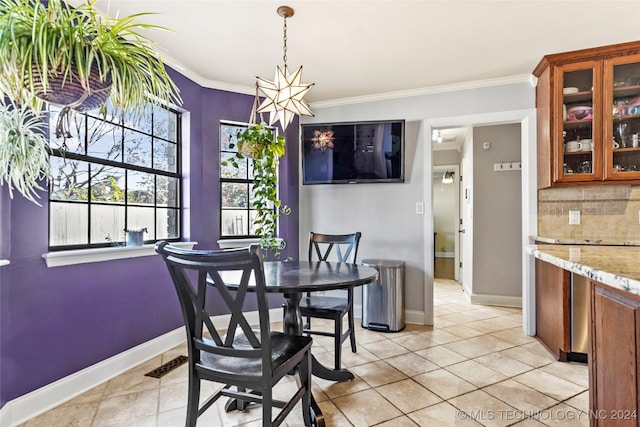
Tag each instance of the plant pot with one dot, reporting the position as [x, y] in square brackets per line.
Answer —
[69, 91]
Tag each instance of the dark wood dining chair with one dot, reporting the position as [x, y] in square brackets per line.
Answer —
[243, 358]
[332, 307]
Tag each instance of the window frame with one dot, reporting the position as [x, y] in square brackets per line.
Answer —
[249, 181]
[120, 123]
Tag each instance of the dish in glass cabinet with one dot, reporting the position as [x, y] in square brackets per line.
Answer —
[579, 112]
[570, 90]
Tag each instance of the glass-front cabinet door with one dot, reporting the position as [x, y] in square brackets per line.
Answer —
[578, 124]
[622, 125]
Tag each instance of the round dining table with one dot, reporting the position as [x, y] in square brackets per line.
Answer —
[293, 279]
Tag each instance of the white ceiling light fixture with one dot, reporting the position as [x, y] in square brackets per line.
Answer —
[436, 136]
[284, 95]
[447, 177]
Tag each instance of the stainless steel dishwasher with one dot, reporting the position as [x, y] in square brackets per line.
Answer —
[579, 318]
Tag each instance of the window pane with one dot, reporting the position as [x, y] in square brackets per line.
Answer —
[234, 222]
[104, 140]
[167, 191]
[228, 136]
[69, 179]
[139, 218]
[69, 224]
[137, 148]
[235, 195]
[252, 216]
[74, 144]
[231, 171]
[140, 188]
[107, 223]
[139, 119]
[165, 155]
[165, 123]
[111, 113]
[167, 223]
[107, 184]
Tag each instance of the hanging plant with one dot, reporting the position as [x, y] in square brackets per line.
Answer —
[259, 143]
[75, 58]
[24, 153]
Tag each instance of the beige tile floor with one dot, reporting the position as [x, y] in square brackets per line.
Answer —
[475, 367]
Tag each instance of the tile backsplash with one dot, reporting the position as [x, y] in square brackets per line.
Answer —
[609, 214]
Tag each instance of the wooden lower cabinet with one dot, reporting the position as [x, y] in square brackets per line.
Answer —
[614, 377]
[553, 322]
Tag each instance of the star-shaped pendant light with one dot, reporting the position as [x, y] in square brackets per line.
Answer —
[284, 95]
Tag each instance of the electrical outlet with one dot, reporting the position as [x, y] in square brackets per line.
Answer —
[574, 217]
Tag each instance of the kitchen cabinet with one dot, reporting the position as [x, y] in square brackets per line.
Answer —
[553, 327]
[588, 116]
[614, 377]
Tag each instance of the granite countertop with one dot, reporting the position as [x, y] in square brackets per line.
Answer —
[616, 266]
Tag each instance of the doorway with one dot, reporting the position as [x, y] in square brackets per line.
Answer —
[526, 118]
[446, 221]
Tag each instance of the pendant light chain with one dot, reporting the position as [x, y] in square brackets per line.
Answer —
[284, 42]
[283, 97]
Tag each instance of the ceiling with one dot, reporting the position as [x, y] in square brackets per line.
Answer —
[360, 49]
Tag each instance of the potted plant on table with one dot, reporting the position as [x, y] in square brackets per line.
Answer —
[259, 143]
[77, 59]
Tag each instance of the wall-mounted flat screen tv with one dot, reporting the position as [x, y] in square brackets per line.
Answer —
[355, 152]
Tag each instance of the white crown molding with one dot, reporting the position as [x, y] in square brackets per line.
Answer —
[383, 96]
[209, 84]
[477, 84]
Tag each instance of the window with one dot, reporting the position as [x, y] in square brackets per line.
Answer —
[236, 214]
[116, 172]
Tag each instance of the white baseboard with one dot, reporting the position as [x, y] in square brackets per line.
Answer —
[30, 405]
[414, 317]
[499, 300]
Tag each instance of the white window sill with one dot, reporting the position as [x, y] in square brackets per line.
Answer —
[81, 256]
[241, 243]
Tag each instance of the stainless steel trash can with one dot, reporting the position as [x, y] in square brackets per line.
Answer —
[383, 300]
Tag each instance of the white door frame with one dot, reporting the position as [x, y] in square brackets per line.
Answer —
[527, 120]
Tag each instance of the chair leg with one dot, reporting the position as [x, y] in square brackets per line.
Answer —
[305, 380]
[338, 342]
[193, 401]
[267, 406]
[307, 325]
[352, 331]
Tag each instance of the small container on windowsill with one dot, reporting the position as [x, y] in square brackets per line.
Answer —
[135, 237]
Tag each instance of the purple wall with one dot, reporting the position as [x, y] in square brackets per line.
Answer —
[56, 321]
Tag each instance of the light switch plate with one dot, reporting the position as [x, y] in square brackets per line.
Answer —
[574, 217]
[420, 208]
